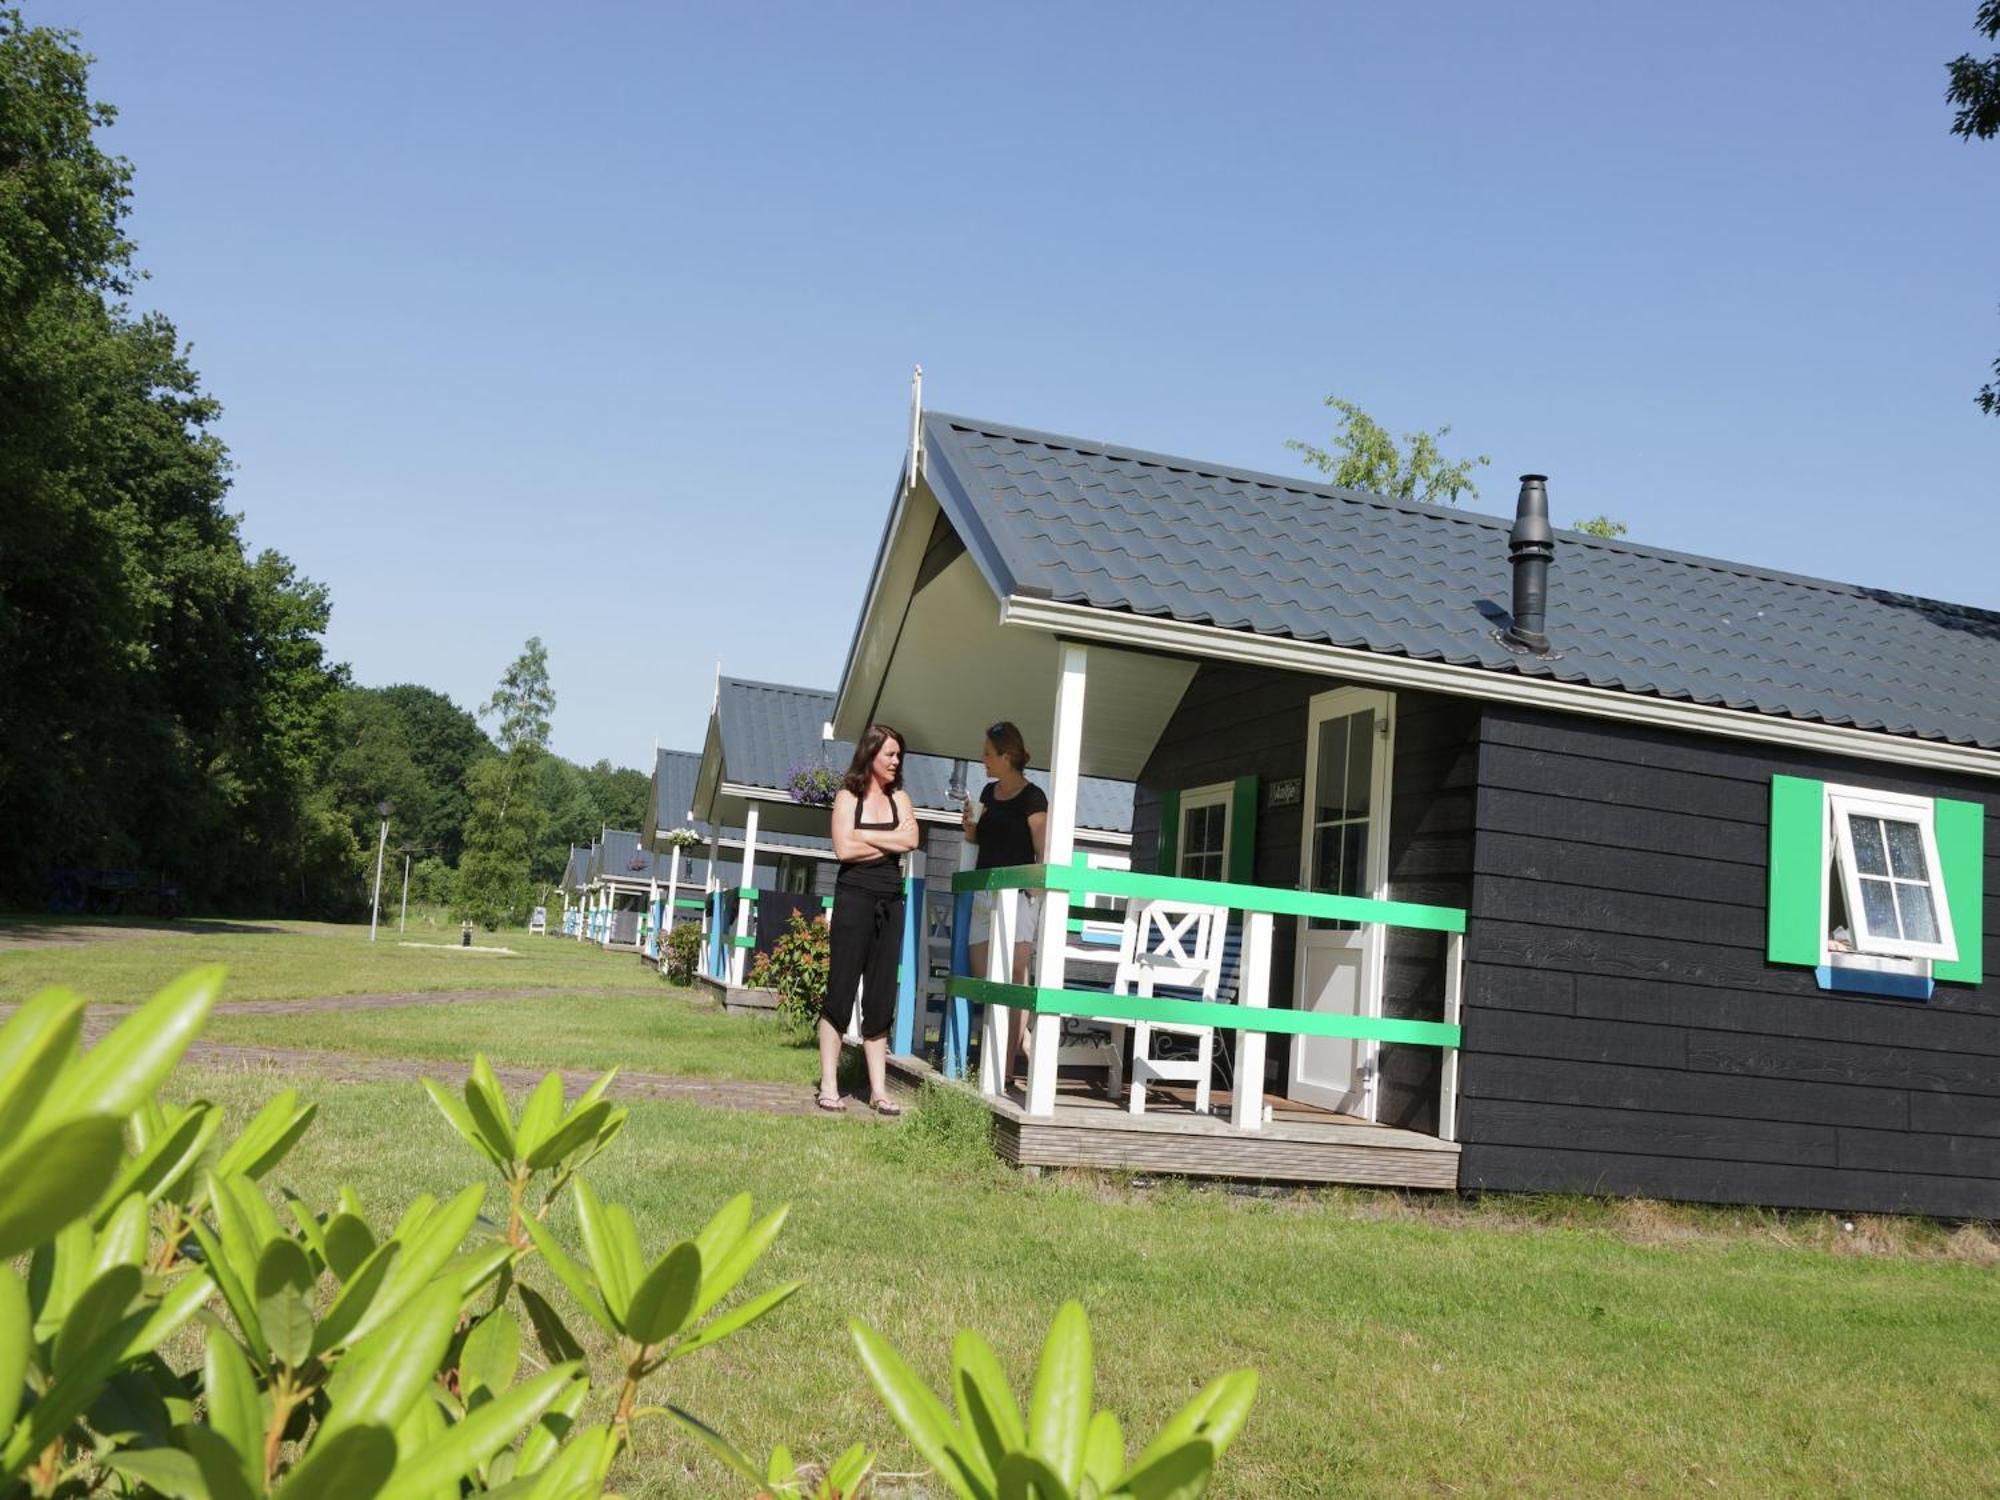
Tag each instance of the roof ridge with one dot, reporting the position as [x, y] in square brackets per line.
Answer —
[1444, 512]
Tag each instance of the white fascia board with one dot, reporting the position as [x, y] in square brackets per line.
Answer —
[1082, 622]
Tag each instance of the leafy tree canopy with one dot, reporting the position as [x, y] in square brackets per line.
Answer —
[1364, 456]
[1975, 90]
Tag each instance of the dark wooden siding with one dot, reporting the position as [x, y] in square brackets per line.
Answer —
[1240, 721]
[1623, 1031]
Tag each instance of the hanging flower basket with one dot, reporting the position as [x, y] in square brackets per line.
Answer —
[680, 838]
[814, 785]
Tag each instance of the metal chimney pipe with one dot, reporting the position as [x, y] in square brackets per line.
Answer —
[1530, 546]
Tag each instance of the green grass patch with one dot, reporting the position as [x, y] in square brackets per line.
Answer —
[123, 963]
[667, 1030]
[1401, 1353]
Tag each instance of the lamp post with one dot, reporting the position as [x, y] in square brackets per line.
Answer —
[403, 922]
[384, 807]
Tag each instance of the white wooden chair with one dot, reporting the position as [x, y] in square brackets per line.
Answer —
[1174, 945]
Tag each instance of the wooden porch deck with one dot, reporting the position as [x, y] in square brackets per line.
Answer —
[1300, 1144]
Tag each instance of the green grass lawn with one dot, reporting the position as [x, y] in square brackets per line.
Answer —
[665, 1030]
[291, 960]
[1399, 1355]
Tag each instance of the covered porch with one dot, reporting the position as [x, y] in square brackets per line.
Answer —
[951, 639]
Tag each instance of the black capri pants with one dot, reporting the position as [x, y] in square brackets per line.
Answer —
[866, 938]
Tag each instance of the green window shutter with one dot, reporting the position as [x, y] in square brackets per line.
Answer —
[1243, 831]
[1169, 838]
[1798, 870]
[1961, 842]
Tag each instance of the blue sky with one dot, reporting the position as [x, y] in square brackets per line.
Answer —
[596, 321]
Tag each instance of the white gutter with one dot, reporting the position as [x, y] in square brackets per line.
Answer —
[1175, 637]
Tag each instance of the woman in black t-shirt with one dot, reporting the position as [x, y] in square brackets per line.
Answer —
[1010, 827]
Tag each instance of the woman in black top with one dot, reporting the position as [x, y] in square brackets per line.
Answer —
[1010, 828]
[874, 825]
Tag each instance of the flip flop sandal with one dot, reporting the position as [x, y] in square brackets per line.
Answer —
[885, 1106]
[838, 1105]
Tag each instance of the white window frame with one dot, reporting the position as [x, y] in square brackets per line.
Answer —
[1223, 795]
[1837, 838]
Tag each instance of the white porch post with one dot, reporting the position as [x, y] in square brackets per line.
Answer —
[1247, 1113]
[744, 911]
[673, 901]
[1065, 762]
[652, 929]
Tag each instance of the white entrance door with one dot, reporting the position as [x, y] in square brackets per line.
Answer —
[1350, 739]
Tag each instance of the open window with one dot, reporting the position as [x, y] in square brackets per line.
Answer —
[1889, 885]
[1878, 892]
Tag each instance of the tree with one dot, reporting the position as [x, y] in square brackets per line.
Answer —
[162, 696]
[1975, 89]
[1602, 526]
[444, 743]
[507, 814]
[1365, 457]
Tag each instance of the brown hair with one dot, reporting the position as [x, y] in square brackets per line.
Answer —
[878, 735]
[1006, 739]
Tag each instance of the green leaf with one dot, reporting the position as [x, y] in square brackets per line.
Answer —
[923, 1418]
[539, 1116]
[170, 1471]
[385, 1372]
[483, 1432]
[35, 1044]
[123, 1236]
[579, 1128]
[734, 1321]
[579, 1468]
[1217, 1413]
[235, 1407]
[1022, 1476]
[16, 1344]
[986, 1406]
[554, 1424]
[70, 1395]
[283, 1288]
[487, 1104]
[461, 1121]
[845, 1473]
[175, 1309]
[557, 1342]
[271, 1134]
[720, 1234]
[356, 1295]
[234, 1293]
[228, 1474]
[309, 1226]
[492, 1353]
[661, 1305]
[425, 1253]
[1059, 1409]
[733, 1458]
[615, 1274]
[1181, 1473]
[722, 1279]
[572, 1276]
[352, 1463]
[104, 1305]
[349, 1243]
[121, 1072]
[1104, 1452]
[54, 1176]
[168, 1159]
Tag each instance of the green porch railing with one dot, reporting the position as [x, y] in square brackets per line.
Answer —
[1253, 1016]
